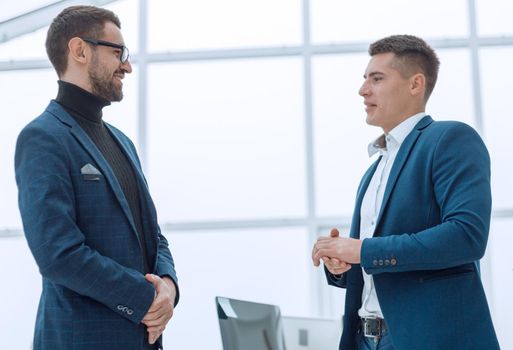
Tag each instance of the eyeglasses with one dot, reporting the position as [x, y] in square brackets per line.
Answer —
[124, 50]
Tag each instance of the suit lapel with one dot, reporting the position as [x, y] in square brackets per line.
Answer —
[401, 158]
[127, 151]
[132, 157]
[80, 135]
[144, 194]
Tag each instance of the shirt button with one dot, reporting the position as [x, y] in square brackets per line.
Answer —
[372, 222]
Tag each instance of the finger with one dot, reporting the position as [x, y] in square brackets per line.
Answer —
[157, 330]
[314, 252]
[323, 252]
[154, 307]
[343, 270]
[161, 321]
[326, 243]
[153, 323]
[336, 268]
[339, 263]
[154, 315]
[151, 278]
[334, 232]
[162, 309]
[158, 303]
[152, 337]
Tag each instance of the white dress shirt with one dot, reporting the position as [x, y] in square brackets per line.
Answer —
[387, 146]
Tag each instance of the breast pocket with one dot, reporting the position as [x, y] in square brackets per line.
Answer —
[93, 194]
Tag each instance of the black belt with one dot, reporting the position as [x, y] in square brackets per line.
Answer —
[373, 327]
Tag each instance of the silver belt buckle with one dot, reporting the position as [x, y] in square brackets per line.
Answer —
[372, 327]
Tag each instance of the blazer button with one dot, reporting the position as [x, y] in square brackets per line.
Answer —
[387, 262]
[375, 263]
[393, 261]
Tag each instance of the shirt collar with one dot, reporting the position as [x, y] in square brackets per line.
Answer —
[398, 134]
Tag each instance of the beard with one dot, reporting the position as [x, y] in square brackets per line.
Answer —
[102, 83]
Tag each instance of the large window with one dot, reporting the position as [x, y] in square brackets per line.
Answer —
[227, 139]
[222, 24]
[253, 138]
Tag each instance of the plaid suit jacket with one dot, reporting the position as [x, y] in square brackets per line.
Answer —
[82, 235]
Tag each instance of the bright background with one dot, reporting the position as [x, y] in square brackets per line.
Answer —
[252, 134]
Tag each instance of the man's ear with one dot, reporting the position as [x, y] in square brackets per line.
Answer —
[78, 50]
[418, 84]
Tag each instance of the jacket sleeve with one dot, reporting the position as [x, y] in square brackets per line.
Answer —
[47, 206]
[165, 264]
[460, 176]
[336, 281]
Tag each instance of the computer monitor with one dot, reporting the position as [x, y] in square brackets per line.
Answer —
[247, 325]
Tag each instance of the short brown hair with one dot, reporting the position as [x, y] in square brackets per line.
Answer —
[73, 21]
[413, 54]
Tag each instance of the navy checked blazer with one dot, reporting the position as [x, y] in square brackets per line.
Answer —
[82, 235]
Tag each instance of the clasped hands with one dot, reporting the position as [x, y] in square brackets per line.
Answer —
[337, 253]
[161, 310]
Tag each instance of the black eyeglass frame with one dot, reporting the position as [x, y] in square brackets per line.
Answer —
[125, 54]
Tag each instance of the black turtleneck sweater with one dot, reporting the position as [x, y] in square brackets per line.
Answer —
[86, 109]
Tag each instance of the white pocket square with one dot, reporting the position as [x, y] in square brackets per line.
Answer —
[90, 173]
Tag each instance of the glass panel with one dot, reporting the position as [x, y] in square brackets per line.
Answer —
[498, 124]
[499, 251]
[200, 24]
[335, 20]
[227, 139]
[15, 8]
[32, 45]
[19, 295]
[128, 13]
[494, 17]
[341, 134]
[452, 97]
[28, 93]
[271, 266]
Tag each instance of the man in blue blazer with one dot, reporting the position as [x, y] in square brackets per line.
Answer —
[421, 219]
[109, 280]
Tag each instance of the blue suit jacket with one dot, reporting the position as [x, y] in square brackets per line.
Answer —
[83, 238]
[431, 231]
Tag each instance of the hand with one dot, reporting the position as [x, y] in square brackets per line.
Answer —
[345, 250]
[335, 266]
[161, 310]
